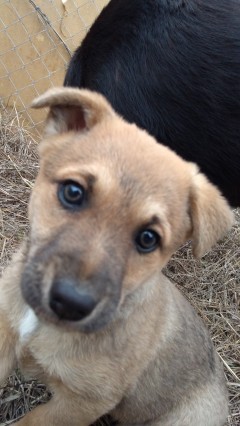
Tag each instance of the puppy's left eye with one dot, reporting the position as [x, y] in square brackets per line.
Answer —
[147, 240]
[71, 194]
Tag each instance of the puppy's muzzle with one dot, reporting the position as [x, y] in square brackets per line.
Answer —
[70, 303]
[57, 287]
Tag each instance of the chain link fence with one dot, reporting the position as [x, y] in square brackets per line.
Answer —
[36, 41]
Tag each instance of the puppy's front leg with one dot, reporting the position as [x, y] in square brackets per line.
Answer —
[7, 348]
[53, 413]
[65, 409]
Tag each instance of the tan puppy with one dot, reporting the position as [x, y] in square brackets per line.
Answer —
[84, 305]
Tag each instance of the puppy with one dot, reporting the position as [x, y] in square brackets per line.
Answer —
[84, 305]
[172, 67]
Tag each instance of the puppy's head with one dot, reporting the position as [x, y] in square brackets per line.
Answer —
[108, 209]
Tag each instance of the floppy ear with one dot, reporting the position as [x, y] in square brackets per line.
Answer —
[210, 213]
[72, 109]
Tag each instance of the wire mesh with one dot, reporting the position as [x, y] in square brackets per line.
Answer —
[37, 38]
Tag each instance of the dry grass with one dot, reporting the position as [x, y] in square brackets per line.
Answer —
[212, 285]
[18, 167]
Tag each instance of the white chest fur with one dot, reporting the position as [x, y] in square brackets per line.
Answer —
[28, 324]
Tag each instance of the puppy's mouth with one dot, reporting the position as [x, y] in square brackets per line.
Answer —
[68, 302]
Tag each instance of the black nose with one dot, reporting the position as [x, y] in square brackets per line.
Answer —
[68, 302]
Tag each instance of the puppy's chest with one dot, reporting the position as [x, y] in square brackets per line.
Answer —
[52, 356]
[79, 375]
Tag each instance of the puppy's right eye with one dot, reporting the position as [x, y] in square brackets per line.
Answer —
[71, 194]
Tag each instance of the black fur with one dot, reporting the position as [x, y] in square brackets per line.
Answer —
[173, 68]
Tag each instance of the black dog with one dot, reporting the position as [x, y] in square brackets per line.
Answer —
[173, 68]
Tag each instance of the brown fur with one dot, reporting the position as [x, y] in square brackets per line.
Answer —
[143, 355]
